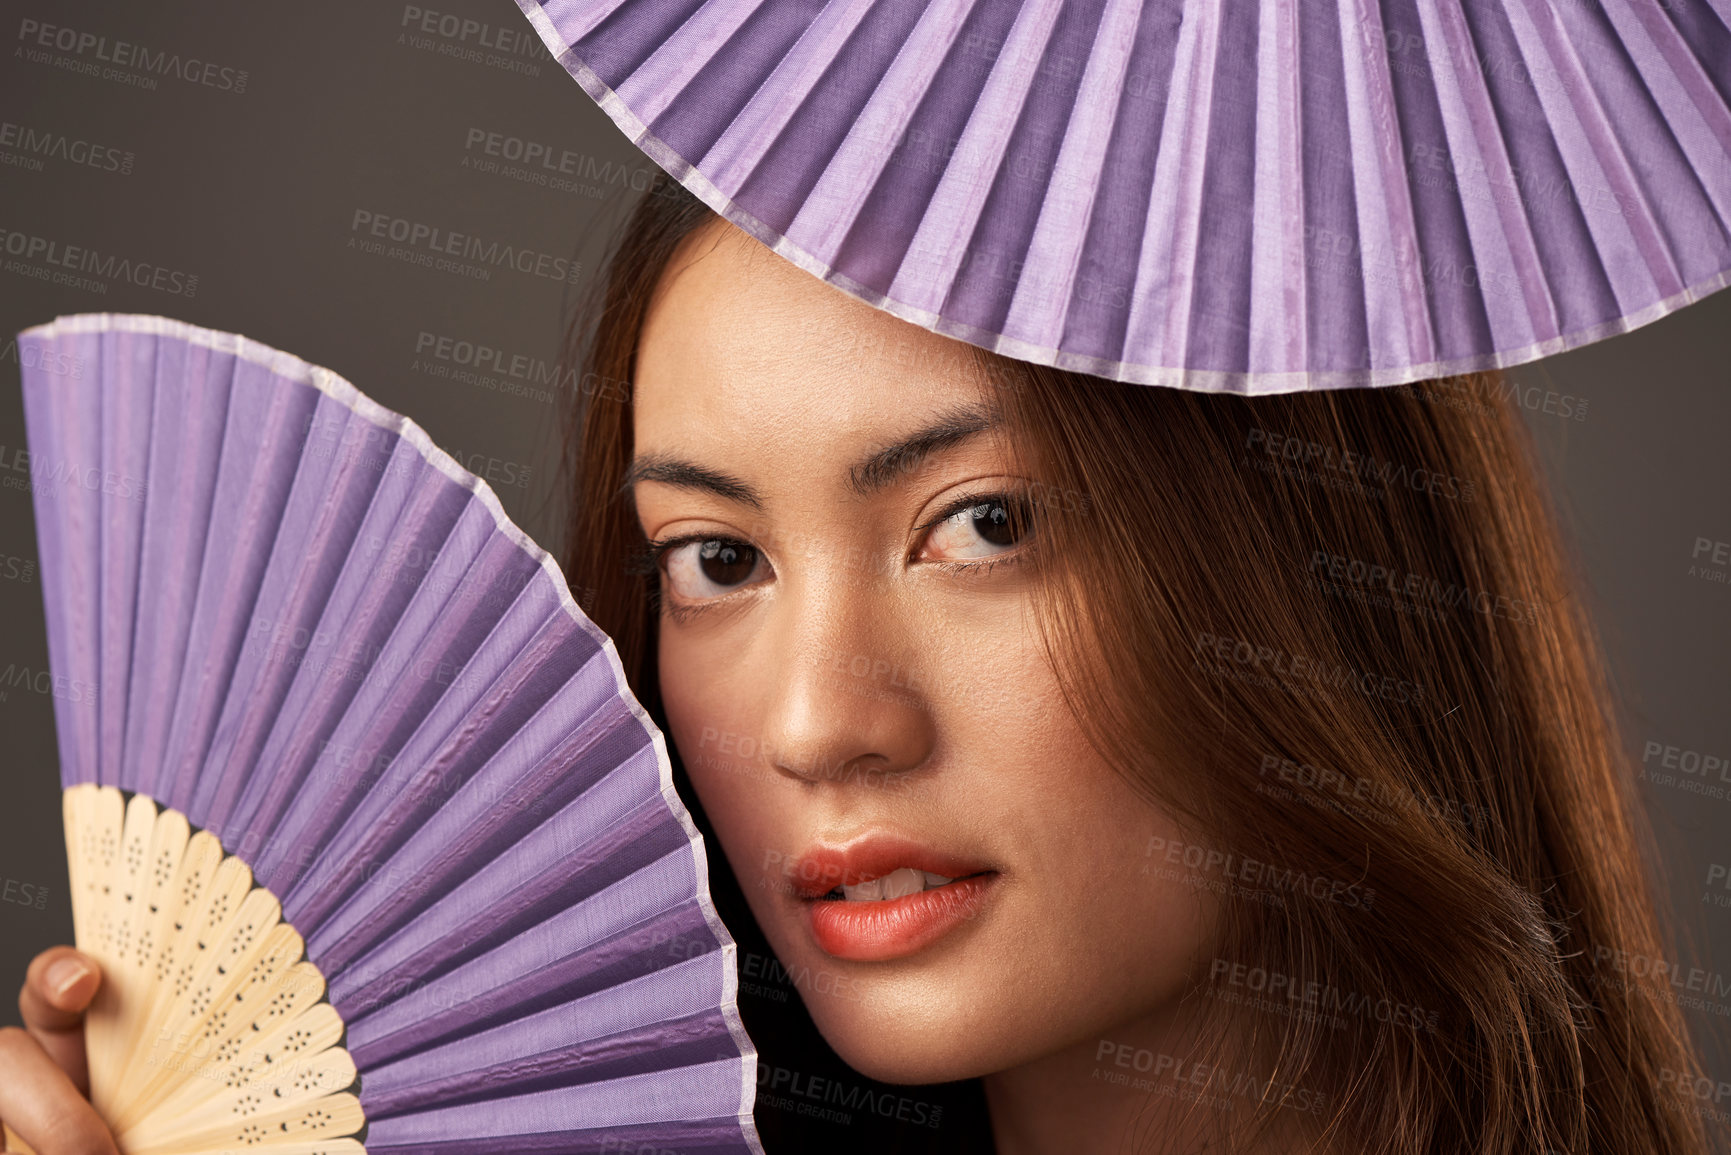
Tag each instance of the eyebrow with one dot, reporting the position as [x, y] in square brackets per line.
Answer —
[687, 475]
[886, 465]
[873, 473]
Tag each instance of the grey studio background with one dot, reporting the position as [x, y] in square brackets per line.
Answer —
[250, 174]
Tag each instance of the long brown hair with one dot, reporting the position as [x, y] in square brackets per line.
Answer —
[1333, 632]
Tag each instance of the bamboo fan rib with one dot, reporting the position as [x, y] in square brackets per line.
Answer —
[1250, 196]
[371, 838]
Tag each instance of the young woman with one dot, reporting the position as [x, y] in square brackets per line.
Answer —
[1153, 771]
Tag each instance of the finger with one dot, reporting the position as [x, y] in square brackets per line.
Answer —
[39, 1102]
[57, 989]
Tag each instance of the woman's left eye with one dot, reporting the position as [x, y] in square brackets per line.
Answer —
[702, 569]
[980, 529]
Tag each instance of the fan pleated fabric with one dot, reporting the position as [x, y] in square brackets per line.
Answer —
[1251, 196]
[278, 610]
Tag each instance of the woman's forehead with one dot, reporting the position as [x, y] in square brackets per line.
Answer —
[736, 337]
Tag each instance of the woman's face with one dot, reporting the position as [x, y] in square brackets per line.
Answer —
[853, 676]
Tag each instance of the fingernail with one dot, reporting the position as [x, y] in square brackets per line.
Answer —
[64, 975]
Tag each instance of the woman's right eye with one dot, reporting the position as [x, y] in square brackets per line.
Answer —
[705, 568]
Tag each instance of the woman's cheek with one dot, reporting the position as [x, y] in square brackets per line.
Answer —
[734, 780]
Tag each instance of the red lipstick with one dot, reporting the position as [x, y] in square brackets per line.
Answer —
[876, 930]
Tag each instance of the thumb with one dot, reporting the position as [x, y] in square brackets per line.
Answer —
[58, 987]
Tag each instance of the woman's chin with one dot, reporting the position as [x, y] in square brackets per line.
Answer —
[893, 1041]
[906, 1057]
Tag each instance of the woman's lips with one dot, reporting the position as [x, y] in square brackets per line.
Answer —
[926, 894]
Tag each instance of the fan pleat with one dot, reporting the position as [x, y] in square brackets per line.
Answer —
[573, 958]
[1447, 112]
[1387, 193]
[1162, 299]
[723, 72]
[260, 450]
[1097, 309]
[335, 660]
[125, 453]
[1663, 94]
[191, 405]
[676, 60]
[1042, 66]
[694, 1137]
[1056, 245]
[782, 91]
[915, 160]
[790, 168]
[670, 1043]
[461, 827]
[1216, 329]
[623, 39]
[324, 513]
[294, 624]
[1276, 302]
[460, 733]
[504, 898]
[907, 66]
[441, 631]
[62, 419]
[1620, 216]
[689, 1092]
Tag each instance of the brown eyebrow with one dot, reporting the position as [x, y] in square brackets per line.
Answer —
[686, 475]
[865, 477]
[886, 465]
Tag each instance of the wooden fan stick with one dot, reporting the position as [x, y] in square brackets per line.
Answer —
[209, 1031]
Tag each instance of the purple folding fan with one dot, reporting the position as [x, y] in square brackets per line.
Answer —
[374, 750]
[1253, 197]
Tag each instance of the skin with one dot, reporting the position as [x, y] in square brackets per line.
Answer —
[878, 672]
[42, 1074]
[759, 375]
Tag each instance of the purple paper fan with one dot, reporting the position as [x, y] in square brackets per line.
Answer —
[277, 608]
[1226, 196]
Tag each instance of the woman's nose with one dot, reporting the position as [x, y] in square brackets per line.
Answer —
[850, 698]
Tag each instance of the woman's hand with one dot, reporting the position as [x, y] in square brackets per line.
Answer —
[43, 1077]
